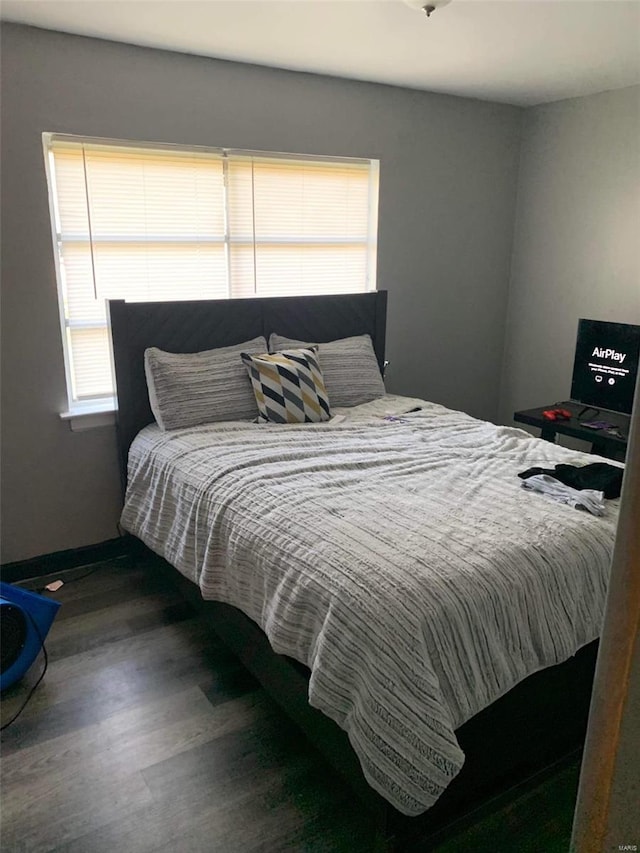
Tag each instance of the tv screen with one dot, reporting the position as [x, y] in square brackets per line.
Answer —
[606, 365]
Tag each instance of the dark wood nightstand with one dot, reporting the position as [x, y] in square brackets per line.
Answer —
[602, 443]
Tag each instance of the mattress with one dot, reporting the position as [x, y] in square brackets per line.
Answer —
[394, 553]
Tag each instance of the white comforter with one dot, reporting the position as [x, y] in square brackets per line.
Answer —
[400, 560]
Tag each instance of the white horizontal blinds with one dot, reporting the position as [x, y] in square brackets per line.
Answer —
[239, 184]
[298, 226]
[159, 223]
[136, 224]
[90, 362]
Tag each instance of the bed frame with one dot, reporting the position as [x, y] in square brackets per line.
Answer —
[522, 736]
[202, 325]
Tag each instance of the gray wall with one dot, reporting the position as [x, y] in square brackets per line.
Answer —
[577, 238]
[447, 199]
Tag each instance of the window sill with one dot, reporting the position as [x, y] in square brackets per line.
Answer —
[90, 417]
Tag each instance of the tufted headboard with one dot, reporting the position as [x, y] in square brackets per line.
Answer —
[203, 325]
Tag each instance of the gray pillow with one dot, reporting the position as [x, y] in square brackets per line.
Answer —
[187, 389]
[349, 366]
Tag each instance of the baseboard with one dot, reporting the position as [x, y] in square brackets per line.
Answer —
[61, 561]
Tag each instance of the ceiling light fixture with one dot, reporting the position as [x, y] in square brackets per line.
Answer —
[427, 6]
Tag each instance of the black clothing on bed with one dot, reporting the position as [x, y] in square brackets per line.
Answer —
[598, 475]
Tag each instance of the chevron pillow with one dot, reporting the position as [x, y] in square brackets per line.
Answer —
[288, 386]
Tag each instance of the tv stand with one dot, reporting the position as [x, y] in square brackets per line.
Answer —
[602, 443]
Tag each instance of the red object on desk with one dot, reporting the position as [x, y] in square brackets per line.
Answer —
[556, 414]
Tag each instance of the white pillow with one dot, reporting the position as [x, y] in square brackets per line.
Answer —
[187, 389]
[349, 366]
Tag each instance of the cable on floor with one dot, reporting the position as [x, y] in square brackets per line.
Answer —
[41, 676]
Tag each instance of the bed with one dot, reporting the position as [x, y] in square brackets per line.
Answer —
[455, 656]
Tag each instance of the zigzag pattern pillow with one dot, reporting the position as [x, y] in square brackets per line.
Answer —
[288, 386]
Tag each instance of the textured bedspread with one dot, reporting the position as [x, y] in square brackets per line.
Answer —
[400, 560]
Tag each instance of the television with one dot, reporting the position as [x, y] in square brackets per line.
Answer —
[606, 365]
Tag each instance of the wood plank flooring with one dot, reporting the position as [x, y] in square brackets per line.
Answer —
[147, 735]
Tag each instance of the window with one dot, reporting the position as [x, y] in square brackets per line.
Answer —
[157, 223]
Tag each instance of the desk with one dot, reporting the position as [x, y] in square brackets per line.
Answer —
[602, 443]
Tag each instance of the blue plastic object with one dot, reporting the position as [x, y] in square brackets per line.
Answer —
[36, 609]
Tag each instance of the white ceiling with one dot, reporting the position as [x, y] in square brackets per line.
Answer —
[515, 51]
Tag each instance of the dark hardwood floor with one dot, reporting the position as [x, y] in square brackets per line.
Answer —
[147, 735]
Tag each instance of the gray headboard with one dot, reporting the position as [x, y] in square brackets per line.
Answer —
[202, 325]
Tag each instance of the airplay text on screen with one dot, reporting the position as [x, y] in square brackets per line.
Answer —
[604, 370]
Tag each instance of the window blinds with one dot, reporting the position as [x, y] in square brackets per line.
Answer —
[298, 227]
[143, 223]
